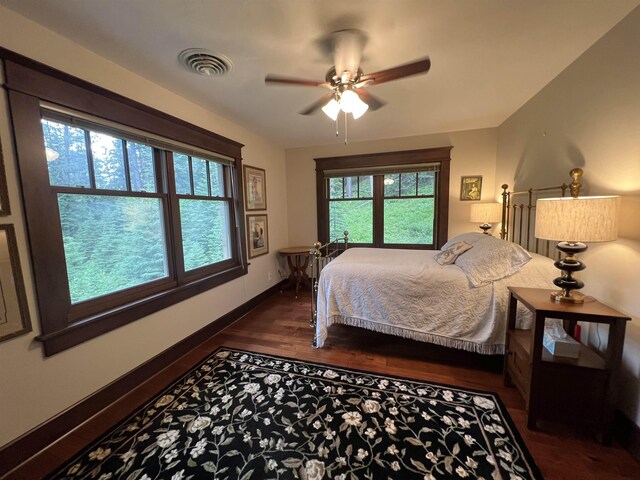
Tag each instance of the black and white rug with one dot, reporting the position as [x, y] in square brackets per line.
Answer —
[242, 415]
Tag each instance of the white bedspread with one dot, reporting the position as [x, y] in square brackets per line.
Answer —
[407, 293]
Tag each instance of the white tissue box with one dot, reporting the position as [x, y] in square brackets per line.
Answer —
[562, 347]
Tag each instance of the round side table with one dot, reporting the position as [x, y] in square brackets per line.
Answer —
[298, 260]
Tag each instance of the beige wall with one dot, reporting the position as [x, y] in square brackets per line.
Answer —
[473, 153]
[34, 388]
[589, 117]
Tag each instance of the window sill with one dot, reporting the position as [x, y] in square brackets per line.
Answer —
[93, 326]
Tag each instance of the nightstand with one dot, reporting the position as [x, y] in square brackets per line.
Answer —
[579, 389]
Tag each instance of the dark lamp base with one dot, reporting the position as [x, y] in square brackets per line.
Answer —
[568, 266]
[485, 228]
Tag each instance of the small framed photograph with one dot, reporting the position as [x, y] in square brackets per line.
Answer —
[14, 311]
[258, 233]
[471, 188]
[255, 188]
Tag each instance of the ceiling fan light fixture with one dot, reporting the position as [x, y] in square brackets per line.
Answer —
[359, 109]
[332, 109]
[349, 101]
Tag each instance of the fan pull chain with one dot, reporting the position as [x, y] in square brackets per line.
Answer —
[346, 129]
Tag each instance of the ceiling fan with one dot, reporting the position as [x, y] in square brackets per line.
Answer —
[346, 81]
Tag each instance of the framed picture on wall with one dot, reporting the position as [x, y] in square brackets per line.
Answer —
[255, 188]
[14, 311]
[258, 233]
[471, 187]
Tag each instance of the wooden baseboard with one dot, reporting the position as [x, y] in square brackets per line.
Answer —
[32, 442]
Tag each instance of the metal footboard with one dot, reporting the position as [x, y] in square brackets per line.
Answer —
[321, 255]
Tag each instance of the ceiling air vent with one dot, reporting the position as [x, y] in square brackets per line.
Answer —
[204, 62]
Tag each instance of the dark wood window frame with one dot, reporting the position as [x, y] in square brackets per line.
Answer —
[219, 267]
[379, 162]
[29, 84]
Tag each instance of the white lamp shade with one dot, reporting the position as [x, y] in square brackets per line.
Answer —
[486, 212]
[359, 109]
[582, 219]
[349, 101]
[332, 109]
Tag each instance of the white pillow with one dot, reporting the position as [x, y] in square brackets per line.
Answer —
[492, 259]
[448, 256]
[470, 238]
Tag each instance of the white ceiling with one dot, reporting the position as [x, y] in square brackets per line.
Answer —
[488, 56]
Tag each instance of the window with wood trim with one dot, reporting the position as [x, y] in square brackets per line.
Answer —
[201, 188]
[128, 210]
[351, 207]
[109, 208]
[394, 200]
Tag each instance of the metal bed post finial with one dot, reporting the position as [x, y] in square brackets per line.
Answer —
[505, 196]
[576, 184]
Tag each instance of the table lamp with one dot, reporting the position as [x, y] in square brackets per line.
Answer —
[572, 221]
[485, 213]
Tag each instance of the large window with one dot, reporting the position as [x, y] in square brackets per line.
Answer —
[397, 200]
[128, 210]
[110, 210]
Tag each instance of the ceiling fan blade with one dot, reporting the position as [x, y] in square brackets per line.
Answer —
[294, 81]
[317, 105]
[414, 68]
[374, 102]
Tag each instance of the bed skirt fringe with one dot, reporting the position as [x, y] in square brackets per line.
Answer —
[495, 349]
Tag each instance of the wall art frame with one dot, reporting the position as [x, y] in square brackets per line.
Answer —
[255, 188]
[14, 309]
[471, 188]
[258, 235]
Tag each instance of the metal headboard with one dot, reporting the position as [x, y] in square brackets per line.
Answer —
[518, 218]
[320, 256]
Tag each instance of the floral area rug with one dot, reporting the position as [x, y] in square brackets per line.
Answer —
[242, 415]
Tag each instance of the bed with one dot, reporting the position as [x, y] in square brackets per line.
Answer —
[427, 295]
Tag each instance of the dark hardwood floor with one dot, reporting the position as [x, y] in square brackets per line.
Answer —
[281, 326]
